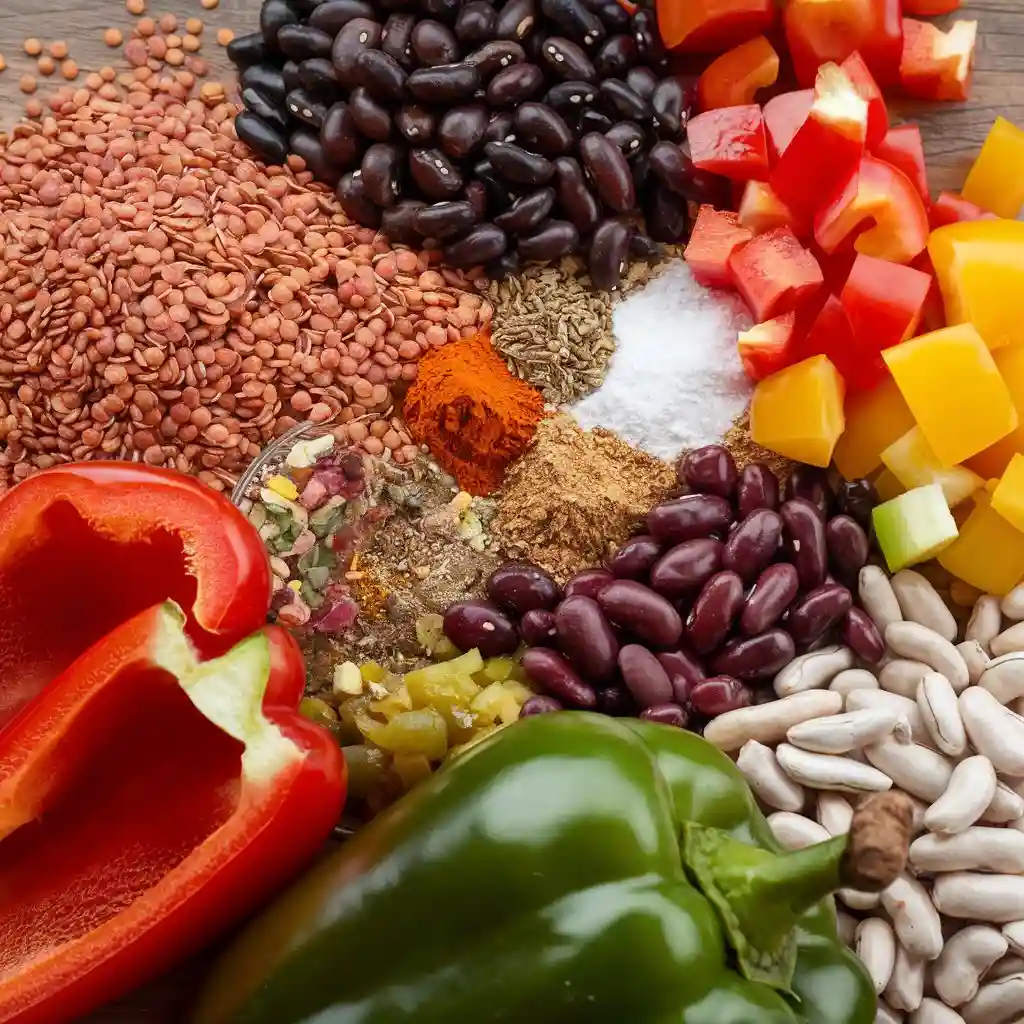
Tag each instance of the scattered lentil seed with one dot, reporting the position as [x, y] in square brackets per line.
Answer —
[3, 62]
[32, 47]
[58, 49]
[168, 23]
[69, 69]
[146, 26]
[46, 65]
[113, 37]
[190, 43]
[175, 58]
[33, 108]
[135, 6]
[208, 5]
[225, 36]
[27, 84]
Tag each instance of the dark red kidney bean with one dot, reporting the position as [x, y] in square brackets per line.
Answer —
[848, 546]
[552, 240]
[587, 583]
[857, 499]
[672, 101]
[570, 97]
[332, 16]
[380, 169]
[244, 51]
[805, 534]
[267, 141]
[719, 694]
[621, 101]
[356, 36]
[527, 212]
[575, 21]
[648, 39]
[616, 701]
[861, 635]
[713, 613]
[306, 143]
[520, 587]
[616, 56]
[684, 569]
[540, 704]
[543, 129]
[642, 80]
[436, 176]
[758, 487]
[516, 20]
[684, 673]
[258, 104]
[551, 671]
[274, 15]
[566, 60]
[769, 597]
[417, 124]
[518, 165]
[478, 624]
[634, 557]
[817, 612]
[644, 676]
[537, 628]
[396, 38]
[665, 214]
[318, 74]
[642, 612]
[753, 544]
[607, 169]
[460, 132]
[811, 483]
[399, 221]
[514, 85]
[264, 78]
[371, 118]
[578, 203]
[586, 638]
[306, 108]
[483, 243]
[446, 83]
[666, 714]
[434, 44]
[609, 251]
[301, 42]
[755, 657]
[493, 57]
[501, 127]
[382, 75]
[445, 220]
[628, 136]
[709, 470]
[475, 23]
[354, 200]
[689, 517]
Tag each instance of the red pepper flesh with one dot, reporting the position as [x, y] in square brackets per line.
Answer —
[938, 65]
[774, 273]
[760, 210]
[831, 334]
[929, 8]
[150, 802]
[863, 81]
[711, 26]
[715, 236]
[783, 116]
[733, 79]
[766, 348]
[731, 142]
[951, 208]
[85, 547]
[903, 149]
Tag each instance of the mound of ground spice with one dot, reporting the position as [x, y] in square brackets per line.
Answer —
[575, 495]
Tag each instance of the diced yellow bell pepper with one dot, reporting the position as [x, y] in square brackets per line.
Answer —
[996, 181]
[979, 265]
[887, 486]
[874, 419]
[914, 464]
[994, 459]
[1008, 497]
[954, 390]
[798, 412]
[989, 553]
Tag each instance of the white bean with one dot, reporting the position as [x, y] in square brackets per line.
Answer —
[1007, 806]
[906, 985]
[920, 771]
[768, 723]
[905, 707]
[1013, 932]
[767, 780]
[912, 640]
[1012, 605]
[994, 730]
[878, 598]
[827, 771]
[875, 945]
[846, 927]
[979, 897]
[975, 849]
[920, 602]
[857, 900]
[941, 713]
[997, 1002]
[839, 734]
[975, 659]
[902, 676]
[851, 679]
[835, 813]
[885, 1014]
[794, 831]
[1011, 964]
[931, 1011]
[971, 789]
[986, 621]
[967, 955]
[813, 671]
[1004, 677]
[914, 917]
[1009, 641]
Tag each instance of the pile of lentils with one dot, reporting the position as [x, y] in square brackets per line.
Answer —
[500, 132]
[695, 616]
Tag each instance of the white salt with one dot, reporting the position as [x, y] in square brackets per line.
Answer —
[675, 380]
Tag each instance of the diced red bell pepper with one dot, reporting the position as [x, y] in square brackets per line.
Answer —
[819, 31]
[902, 148]
[933, 314]
[783, 116]
[711, 26]
[733, 79]
[951, 207]
[85, 547]
[876, 192]
[865, 84]
[831, 334]
[938, 65]
[767, 348]
[760, 210]
[929, 8]
[826, 148]
[836, 266]
[731, 142]
[774, 273]
[715, 236]
[151, 801]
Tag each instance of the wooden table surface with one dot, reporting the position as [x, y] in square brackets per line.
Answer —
[952, 134]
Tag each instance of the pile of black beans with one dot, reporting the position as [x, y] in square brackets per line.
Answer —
[500, 130]
[695, 616]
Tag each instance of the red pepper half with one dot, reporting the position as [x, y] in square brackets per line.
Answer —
[730, 142]
[149, 801]
[734, 78]
[864, 82]
[902, 148]
[879, 193]
[783, 116]
[766, 348]
[938, 65]
[929, 8]
[774, 273]
[85, 547]
[711, 26]
[951, 207]
[715, 236]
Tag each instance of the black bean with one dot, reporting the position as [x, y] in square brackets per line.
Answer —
[857, 498]
[758, 487]
[506, 265]
[672, 167]
[381, 168]
[817, 612]
[537, 628]
[532, 45]
[264, 78]
[244, 51]
[613, 16]
[482, 244]
[306, 143]
[621, 101]
[258, 104]
[568, 97]
[634, 557]
[685, 568]
[396, 39]
[302, 42]
[475, 194]
[645, 248]
[358, 35]
[684, 672]
[461, 130]
[587, 583]
[543, 129]
[268, 141]
[446, 83]
[479, 625]
[399, 222]
[519, 587]
[417, 124]
[805, 535]
[616, 701]
[591, 120]
[575, 20]
[848, 546]
[642, 80]
[644, 675]
[493, 57]
[371, 118]
[769, 597]
[382, 75]
[586, 638]
[713, 613]
[609, 249]
[306, 7]
[317, 74]
[499, 197]
[501, 127]
[810, 482]
[514, 84]
[648, 38]
[554, 239]
[334, 15]
[564, 58]
[616, 56]
[664, 714]
[665, 214]
[640, 166]
[274, 15]
[475, 23]
[672, 102]
[516, 20]
[688, 517]
[547, 668]
[436, 176]
[434, 44]
[607, 169]
[292, 75]
[526, 213]
[753, 544]
[628, 136]
[304, 107]
[446, 220]
[518, 165]
[442, 10]
[640, 610]
[339, 136]
[756, 657]
[540, 704]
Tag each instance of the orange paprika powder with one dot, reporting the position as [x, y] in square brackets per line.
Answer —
[471, 412]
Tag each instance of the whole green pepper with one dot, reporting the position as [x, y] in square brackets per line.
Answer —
[573, 869]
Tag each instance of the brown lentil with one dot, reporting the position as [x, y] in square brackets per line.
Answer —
[32, 47]
[113, 37]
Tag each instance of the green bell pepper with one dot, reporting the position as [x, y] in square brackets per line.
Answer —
[573, 869]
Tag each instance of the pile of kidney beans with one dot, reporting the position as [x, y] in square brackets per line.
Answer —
[507, 131]
[695, 616]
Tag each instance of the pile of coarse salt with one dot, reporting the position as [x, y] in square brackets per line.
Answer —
[675, 381]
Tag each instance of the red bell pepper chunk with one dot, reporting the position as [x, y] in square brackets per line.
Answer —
[127, 536]
[730, 142]
[875, 192]
[715, 236]
[831, 334]
[760, 210]
[783, 116]
[151, 801]
[933, 313]
[951, 208]
[711, 26]
[902, 148]
[826, 148]
[733, 79]
[929, 8]
[767, 348]
[774, 273]
[865, 84]
[819, 31]
[938, 65]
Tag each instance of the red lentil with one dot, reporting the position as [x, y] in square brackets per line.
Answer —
[113, 37]
[32, 47]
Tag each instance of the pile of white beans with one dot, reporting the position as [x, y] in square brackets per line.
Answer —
[941, 721]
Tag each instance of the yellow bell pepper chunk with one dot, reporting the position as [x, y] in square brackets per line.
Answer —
[1008, 497]
[994, 459]
[996, 181]
[798, 412]
[887, 486]
[914, 464]
[988, 553]
[954, 390]
[874, 420]
[979, 265]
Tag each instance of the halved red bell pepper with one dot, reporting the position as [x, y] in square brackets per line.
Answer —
[711, 26]
[951, 208]
[760, 210]
[149, 802]
[929, 8]
[783, 116]
[938, 65]
[733, 79]
[864, 82]
[730, 141]
[903, 149]
[715, 236]
[84, 547]
[774, 273]
[879, 193]
[768, 347]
